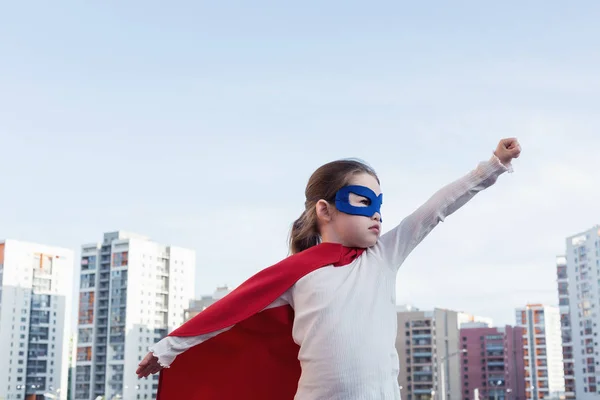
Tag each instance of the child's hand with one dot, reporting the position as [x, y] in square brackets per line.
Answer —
[148, 366]
[507, 150]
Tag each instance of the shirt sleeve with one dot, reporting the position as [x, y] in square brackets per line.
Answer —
[168, 348]
[394, 246]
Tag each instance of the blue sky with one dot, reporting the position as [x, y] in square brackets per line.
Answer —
[199, 125]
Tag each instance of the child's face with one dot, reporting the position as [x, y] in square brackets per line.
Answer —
[358, 230]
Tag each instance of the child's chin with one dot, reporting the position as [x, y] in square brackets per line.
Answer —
[370, 242]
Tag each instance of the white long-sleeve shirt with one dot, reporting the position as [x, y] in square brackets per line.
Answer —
[345, 318]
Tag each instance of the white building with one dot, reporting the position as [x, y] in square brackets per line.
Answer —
[133, 291]
[544, 375]
[35, 304]
[565, 321]
[578, 273]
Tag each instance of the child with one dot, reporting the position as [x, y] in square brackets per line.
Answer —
[321, 324]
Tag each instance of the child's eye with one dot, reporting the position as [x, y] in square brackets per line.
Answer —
[366, 202]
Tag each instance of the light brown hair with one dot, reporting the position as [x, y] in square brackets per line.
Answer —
[323, 184]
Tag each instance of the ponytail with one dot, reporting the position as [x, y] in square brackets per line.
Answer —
[304, 232]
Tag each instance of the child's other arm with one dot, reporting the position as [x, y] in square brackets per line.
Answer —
[164, 352]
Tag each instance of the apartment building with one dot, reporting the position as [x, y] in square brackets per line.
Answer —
[578, 280]
[133, 291]
[428, 347]
[35, 306]
[565, 322]
[544, 375]
[493, 365]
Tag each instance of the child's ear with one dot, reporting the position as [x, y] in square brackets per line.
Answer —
[323, 211]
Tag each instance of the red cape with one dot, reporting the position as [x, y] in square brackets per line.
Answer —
[257, 358]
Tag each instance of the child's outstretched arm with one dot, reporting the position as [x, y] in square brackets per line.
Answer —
[163, 353]
[398, 243]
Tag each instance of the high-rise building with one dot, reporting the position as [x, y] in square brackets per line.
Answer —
[565, 322]
[493, 363]
[578, 293]
[133, 291]
[429, 352]
[35, 304]
[544, 375]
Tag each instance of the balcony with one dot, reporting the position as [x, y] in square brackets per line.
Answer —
[420, 324]
[422, 353]
[424, 379]
[421, 336]
[426, 331]
[422, 391]
[32, 372]
[422, 360]
[497, 382]
[82, 378]
[421, 342]
[40, 321]
[32, 355]
[422, 373]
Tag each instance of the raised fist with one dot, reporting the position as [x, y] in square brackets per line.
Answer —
[507, 150]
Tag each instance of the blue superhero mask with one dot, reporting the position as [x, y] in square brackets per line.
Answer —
[342, 201]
